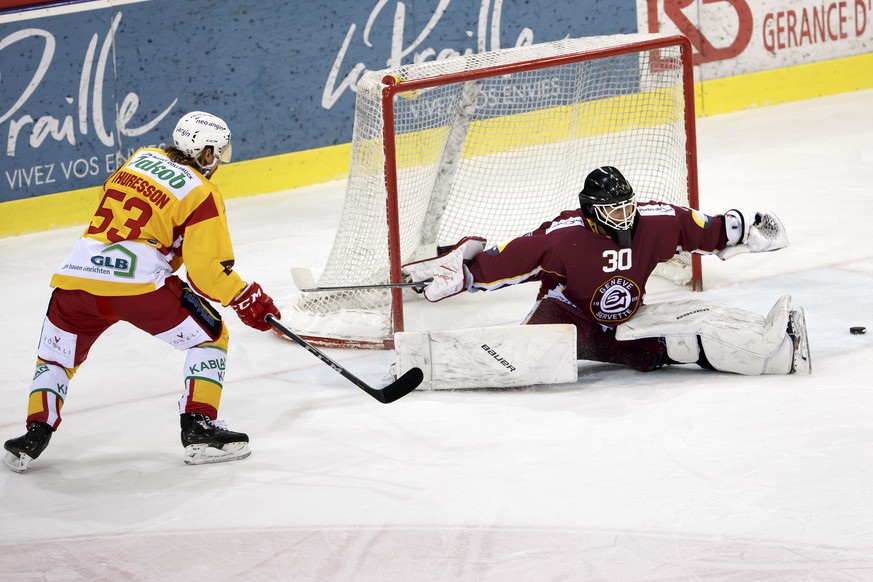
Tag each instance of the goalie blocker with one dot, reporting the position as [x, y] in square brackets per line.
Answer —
[509, 356]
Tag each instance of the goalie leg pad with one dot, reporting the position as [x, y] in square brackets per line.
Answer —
[733, 340]
[683, 349]
[728, 358]
[490, 357]
[730, 325]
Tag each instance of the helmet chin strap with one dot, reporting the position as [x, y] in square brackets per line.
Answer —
[207, 169]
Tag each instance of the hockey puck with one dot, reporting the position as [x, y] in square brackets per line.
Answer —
[858, 330]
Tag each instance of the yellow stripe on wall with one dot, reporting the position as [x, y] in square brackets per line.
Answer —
[248, 178]
[296, 169]
[543, 126]
[49, 211]
[284, 171]
[784, 85]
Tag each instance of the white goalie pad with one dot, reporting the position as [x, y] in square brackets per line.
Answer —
[677, 270]
[734, 340]
[508, 356]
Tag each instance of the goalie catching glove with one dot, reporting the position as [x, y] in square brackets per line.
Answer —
[448, 272]
[757, 232]
[252, 305]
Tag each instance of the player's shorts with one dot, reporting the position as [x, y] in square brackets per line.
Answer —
[173, 314]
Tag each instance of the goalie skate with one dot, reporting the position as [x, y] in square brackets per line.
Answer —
[797, 332]
[209, 441]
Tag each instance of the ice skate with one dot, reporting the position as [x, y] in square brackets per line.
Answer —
[208, 441]
[797, 332]
[24, 449]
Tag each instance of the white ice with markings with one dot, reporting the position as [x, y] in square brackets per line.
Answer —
[680, 474]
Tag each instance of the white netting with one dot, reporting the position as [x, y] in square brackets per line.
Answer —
[495, 155]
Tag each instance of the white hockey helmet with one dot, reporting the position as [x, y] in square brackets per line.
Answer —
[197, 130]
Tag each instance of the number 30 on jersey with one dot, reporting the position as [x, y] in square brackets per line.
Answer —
[619, 260]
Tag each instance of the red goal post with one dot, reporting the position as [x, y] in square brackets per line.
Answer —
[493, 144]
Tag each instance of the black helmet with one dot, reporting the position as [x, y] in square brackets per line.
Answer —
[608, 199]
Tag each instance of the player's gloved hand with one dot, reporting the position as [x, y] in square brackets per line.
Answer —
[752, 232]
[252, 305]
[448, 273]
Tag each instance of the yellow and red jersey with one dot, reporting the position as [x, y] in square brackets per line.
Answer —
[154, 216]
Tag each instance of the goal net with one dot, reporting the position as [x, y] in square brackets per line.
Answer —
[493, 145]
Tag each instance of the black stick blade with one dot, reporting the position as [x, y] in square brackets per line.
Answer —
[401, 386]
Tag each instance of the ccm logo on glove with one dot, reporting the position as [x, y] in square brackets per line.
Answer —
[253, 305]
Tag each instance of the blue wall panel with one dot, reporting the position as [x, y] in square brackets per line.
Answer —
[82, 88]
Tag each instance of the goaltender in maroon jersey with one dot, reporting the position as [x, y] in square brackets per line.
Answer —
[593, 263]
[579, 266]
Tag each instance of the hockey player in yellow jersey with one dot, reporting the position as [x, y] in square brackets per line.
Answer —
[159, 211]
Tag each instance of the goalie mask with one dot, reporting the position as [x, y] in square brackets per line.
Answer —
[608, 199]
[198, 130]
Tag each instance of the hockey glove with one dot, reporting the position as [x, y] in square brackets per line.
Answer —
[757, 232]
[253, 305]
[450, 275]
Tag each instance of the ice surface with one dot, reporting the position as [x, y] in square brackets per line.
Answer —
[675, 475]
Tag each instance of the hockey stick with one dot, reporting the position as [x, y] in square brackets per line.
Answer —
[305, 282]
[393, 391]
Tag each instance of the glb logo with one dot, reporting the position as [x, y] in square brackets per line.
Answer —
[110, 263]
[123, 266]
